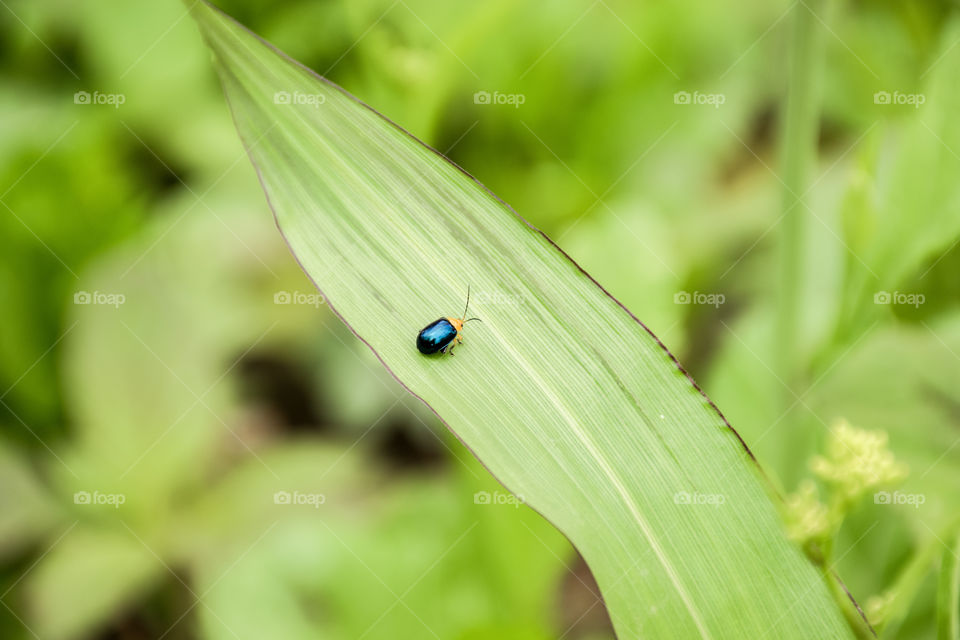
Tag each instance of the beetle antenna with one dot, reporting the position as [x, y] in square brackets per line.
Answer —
[468, 320]
[468, 303]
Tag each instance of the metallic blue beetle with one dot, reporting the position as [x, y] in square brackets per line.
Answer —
[444, 334]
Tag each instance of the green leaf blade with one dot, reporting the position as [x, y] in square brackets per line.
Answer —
[564, 395]
[948, 594]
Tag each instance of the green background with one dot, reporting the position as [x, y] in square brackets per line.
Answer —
[202, 395]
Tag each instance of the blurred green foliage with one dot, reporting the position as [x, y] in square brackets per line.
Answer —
[199, 398]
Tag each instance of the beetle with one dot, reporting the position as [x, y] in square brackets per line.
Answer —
[443, 334]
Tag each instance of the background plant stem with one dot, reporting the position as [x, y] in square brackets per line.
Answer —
[798, 148]
[800, 130]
